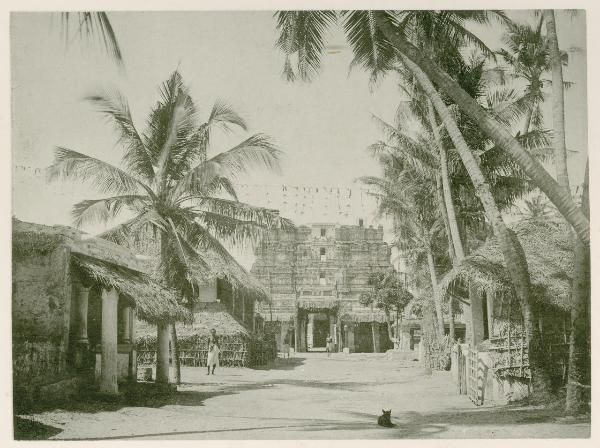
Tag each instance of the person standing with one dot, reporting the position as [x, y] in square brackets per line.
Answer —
[329, 345]
[213, 357]
[213, 351]
[286, 346]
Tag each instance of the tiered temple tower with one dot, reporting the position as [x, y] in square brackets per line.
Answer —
[316, 275]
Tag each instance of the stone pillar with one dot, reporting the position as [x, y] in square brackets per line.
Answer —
[477, 328]
[332, 329]
[126, 322]
[350, 337]
[108, 363]
[302, 341]
[309, 330]
[163, 335]
[283, 334]
[296, 333]
[133, 357]
[490, 314]
[376, 337]
[81, 342]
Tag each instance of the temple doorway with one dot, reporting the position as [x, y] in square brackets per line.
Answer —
[320, 332]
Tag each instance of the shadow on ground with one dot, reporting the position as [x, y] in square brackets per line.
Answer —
[415, 425]
[26, 429]
[282, 364]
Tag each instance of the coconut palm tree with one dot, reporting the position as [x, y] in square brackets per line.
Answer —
[526, 52]
[378, 38]
[170, 188]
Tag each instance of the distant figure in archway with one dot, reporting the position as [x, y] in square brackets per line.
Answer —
[329, 345]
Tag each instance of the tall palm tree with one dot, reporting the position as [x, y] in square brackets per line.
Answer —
[388, 25]
[381, 37]
[579, 357]
[170, 187]
[378, 38]
[558, 102]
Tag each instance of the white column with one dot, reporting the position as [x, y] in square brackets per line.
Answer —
[81, 343]
[108, 375]
[133, 358]
[309, 330]
[126, 322]
[162, 352]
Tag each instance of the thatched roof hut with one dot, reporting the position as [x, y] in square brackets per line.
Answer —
[549, 254]
[103, 262]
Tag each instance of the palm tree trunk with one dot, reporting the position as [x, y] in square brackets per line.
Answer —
[492, 128]
[579, 349]
[436, 296]
[176, 359]
[558, 104]
[443, 212]
[449, 203]
[512, 250]
[162, 338]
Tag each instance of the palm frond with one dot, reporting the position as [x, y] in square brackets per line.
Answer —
[115, 107]
[372, 50]
[103, 176]
[93, 211]
[302, 35]
[94, 24]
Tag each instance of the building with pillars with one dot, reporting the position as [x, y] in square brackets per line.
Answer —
[315, 276]
[75, 301]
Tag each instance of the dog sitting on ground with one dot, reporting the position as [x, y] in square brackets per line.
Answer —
[385, 419]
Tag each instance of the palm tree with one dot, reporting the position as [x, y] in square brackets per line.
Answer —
[409, 193]
[558, 102]
[169, 186]
[388, 24]
[378, 38]
[526, 52]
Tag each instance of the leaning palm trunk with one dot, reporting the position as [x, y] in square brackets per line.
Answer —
[511, 248]
[436, 295]
[448, 201]
[490, 126]
[558, 103]
[448, 209]
[579, 349]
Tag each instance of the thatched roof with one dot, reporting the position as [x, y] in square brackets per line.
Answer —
[154, 302]
[203, 321]
[549, 254]
[213, 266]
[229, 269]
[103, 262]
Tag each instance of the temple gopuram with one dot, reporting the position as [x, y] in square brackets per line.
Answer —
[315, 276]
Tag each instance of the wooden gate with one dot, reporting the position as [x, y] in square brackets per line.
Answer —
[475, 379]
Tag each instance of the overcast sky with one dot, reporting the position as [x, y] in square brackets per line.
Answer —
[323, 127]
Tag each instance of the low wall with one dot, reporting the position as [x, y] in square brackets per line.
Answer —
[236, 351]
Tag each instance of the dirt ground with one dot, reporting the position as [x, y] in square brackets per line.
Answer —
[308, 396]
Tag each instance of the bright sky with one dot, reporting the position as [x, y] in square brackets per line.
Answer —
[323, 127]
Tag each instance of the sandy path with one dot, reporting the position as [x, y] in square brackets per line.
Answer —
[313, 397]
